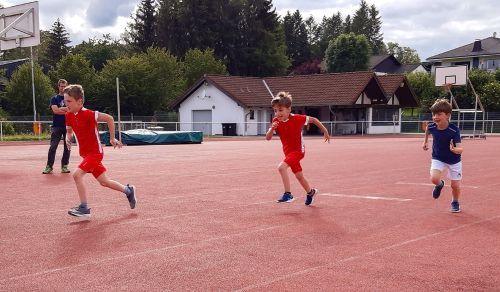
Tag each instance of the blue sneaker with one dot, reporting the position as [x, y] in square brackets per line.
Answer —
[310, 195]
[455, 207]
[132, 200]
[437, 190]
[286, 198]
[78, 211]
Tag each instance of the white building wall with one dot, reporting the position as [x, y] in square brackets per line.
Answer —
[224, 109]
[389, 129]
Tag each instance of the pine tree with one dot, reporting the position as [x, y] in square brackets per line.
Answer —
[298, 49]
[331, 28]
[170, 31]
[142, 31]
[361, 20]
[375, 36]
[57, 45]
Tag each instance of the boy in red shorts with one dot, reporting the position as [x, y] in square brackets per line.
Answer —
[289, 128]
[83, 123]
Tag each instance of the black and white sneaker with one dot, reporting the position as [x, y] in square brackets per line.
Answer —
[132, 199]
[78, 211]
[310, 195]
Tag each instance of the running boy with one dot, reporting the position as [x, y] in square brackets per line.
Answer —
[83, 122]
[446, 151]
[289, 128]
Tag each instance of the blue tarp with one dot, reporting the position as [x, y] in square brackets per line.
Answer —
[148, 137]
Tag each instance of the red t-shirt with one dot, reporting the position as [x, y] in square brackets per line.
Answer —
[290, 133]
[84, 125]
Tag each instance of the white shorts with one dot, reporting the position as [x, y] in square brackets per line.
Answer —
[454, 170]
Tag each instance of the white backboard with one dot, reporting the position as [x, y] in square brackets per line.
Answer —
[456, 75]
[19, 26]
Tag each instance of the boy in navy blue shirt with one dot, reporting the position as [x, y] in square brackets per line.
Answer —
[446, 151]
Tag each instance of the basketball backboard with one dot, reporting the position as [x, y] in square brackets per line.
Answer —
[456, 75]
[19, 26]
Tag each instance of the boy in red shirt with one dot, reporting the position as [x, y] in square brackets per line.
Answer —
[289, 128]
[83, 122]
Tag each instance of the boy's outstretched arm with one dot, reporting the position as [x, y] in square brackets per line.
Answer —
[102, 117]
[69, 137]
[318, 124]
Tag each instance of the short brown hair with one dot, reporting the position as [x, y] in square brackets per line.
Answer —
[441, 106]
[282, 99]
[75, 91]
[62, 81]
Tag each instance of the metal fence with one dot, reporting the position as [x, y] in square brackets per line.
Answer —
[337, 128]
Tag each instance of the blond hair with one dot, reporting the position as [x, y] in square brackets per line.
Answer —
[282, 99]
[441, 106]
[75, 91]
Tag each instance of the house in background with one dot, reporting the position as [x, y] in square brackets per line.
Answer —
[234, 105]
[481, 54]
[389, 64]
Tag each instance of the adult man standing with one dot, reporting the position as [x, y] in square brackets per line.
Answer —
[58, 130]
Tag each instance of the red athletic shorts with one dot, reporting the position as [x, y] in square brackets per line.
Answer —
[293, 160]
[92, 163]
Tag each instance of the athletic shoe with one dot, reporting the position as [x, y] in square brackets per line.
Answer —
[310, 195]
[286, 198]
[131, 197]
[437, 190]
[64, 169]
[47, 170]
[78, 211]
[455, 207]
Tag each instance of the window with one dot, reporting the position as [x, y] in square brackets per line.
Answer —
[492, 64]
[385, 116]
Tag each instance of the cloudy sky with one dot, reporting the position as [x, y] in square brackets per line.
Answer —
[428, 26]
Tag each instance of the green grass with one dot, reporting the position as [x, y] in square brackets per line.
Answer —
[25, 137]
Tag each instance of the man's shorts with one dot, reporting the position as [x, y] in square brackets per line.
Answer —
[293, 160]
[454, 170]
[92, 163]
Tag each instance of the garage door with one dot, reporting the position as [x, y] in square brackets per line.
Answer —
[202, 121]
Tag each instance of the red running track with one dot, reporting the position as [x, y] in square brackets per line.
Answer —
[206, 220]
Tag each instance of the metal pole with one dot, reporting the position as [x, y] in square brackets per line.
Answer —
[1, 131]
[118, 103]
[33, 88]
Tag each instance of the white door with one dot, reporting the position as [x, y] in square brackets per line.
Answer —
[202, 121]
[261, 125]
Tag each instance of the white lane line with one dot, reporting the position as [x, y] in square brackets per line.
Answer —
[368, 253]
[145, 252]
[428, 184]
[368, 197]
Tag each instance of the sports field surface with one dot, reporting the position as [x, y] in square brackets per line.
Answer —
[207, 220]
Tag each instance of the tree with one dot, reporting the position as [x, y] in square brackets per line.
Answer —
[308, 68]
[405, 55]
[298, 48]
[331, 28]
[100, 51]
[348, 52]
[19, 91]
[198, 62]
[423, 86]
[57, 45]
[361, 20]
[76, 69]
[141, 33]
[148, 82]
[374, 35]
[491, 96]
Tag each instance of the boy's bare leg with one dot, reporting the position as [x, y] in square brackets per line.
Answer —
[105, 182]
[78, 175]
[455, 189]
[435, 177]
[283, 169]
[303, 181]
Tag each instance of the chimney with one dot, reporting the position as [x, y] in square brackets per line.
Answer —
[477, 46]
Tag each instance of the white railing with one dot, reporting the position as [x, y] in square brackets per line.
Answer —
[336, 128]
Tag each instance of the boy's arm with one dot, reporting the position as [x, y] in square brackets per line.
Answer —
[270, 131]
[69, 137]
[456, 147]
[59, 110]
[318, 124]
[102, 117]
[425, 145]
